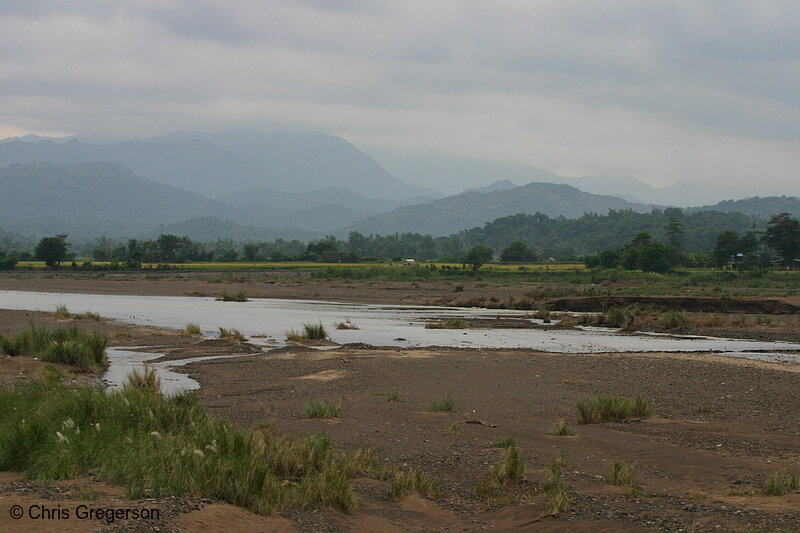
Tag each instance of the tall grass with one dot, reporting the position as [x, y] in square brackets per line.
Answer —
[555, 487]
[445, 404]
[190, 329]
[321, 409]
[84, 350]
[157, 446]
[231, 334]
[781, 482]
[609, 408]
[310, 332]
[508, 473]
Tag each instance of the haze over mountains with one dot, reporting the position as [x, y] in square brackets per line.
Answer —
[247, 185]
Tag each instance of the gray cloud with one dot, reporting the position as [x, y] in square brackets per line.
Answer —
[702, 90]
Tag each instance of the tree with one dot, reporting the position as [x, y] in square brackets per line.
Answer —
[52, 250]
[477, 256]
[783, 236]
[674, 232]
[7, 261]
[251, 252]
[518, 252]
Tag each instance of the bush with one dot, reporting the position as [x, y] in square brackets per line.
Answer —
[622, 473]
[190, 329]
[562, 428]
[84, 350]
[609, 408]
[310, 332]
[505, 474]
[676, 319]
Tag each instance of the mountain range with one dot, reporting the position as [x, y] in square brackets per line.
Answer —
[247, 185]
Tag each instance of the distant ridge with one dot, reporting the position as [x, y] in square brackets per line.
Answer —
[466, 210]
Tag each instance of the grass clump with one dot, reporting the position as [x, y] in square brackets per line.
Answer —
[321, 409]
[392, 397]
[555, 487]
[229, 296]
[156, 446]
[610, 408]
[231, 334]
[508, 473]
[310, 332]
[623, 473]
[190, 329]
[404, 482]
[781, 482]
[447, 323]
[503, 442]
[63, 313]
[84, 350]
[562, 428]
[676, 319]
[619, 317]
[146, 379]
[445, 404]
[346, 325]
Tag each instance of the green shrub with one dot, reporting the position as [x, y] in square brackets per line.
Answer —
[310, 332]
[321, 409]
[84, 350]
[781, 482]
[609, 408]
[157, 446]
[445, 404]
[146, 379]
[506, 474]
[404, 482]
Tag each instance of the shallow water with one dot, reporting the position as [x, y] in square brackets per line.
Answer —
[381, 325]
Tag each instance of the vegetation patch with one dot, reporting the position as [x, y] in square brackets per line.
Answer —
[190, 329]
[781, 482]
[562, 428]
[503, 442]
[445, 404]
[609, 408]
[310, 332]
[230, 296]
[554, 487]
[321, 409]
[158, 446]
[508, 473]
[84, 350]
[63, 313]
[231, 334]
[622, 473]
[346, 325]
[447, 323]
[404, 482]
[146, 379]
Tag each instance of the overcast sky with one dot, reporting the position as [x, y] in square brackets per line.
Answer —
[663, 90]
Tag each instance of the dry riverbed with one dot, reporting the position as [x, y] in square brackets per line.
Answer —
[720, 426]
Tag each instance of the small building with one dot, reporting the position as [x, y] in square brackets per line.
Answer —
[410, 262]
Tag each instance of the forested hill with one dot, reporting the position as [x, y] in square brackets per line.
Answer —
[592, 233]
[763, 207]
[461, 211]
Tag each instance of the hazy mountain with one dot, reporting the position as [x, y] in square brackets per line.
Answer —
[456, 173]
[310, 160]
[263, 196]
[194, 165]
[212, 228]
[501, 185]
[91, 199]
[218, 164]
[469, 209]
[763, 208]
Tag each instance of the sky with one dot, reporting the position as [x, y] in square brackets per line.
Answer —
[701, 91]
